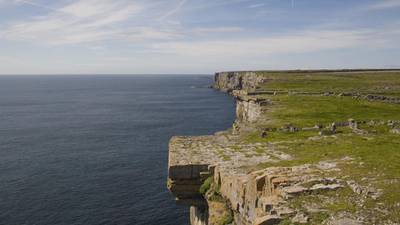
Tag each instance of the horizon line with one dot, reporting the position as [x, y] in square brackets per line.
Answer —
[102, 74]
[193, 74]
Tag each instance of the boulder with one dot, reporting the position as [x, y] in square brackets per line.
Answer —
[395, 131]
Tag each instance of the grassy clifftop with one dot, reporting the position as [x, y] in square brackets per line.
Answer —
[307, 147]
[325, 116]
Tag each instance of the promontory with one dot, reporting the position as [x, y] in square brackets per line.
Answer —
[307, 147]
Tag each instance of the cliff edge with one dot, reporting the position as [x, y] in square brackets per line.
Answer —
[307, 147]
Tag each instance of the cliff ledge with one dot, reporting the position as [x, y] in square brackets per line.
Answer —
[307, 147]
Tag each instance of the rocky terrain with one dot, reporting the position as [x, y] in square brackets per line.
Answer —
[307, 147]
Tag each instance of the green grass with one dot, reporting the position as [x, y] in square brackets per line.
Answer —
[275, 136]
[344, 201]
[379, 154]
[307, 111]
[332, 82]
[331, 202]
[376, 154]
[227, 218]
[206, 186]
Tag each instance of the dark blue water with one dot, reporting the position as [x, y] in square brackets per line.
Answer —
[93, 149]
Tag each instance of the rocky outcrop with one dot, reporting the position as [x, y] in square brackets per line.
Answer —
[263, 196]
[229, 81]
[249, 108]
[220, 172]
[254, 196]
[198, 215]
[194, 159]
[243, 86]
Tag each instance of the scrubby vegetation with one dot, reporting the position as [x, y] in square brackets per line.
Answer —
[206, 186]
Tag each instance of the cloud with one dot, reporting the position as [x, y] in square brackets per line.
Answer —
[301, 42]
[207, 4]
[79, 22]
[8, 59]
[88, 9]
[174, 10]
[182, 35]
[4, 3]
[384, 4]
[91, 21]
[252, 6]
[148, 33]
[33, 3]
[207, 30]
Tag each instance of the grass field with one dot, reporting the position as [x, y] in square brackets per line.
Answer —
[373, 148]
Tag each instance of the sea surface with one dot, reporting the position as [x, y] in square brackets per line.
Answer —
[93, 149]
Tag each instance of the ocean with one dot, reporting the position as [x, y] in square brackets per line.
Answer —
[93, 149]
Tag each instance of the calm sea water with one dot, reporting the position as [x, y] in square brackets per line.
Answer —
[94, 149]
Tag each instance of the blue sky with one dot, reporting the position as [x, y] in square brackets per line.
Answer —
[196, 36]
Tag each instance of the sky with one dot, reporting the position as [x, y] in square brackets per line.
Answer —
[196, 36]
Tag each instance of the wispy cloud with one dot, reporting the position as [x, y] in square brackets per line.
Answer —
[208, 30]
[174, 10]
[90, 21]
[384, 4]
[258, 5]
[183, 35]
[149, 33]
[33, 3]
[301, 42]
[206, 4]
[78, 22]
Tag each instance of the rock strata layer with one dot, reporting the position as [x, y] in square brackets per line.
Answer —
[229, 81]
[254, 196]
[219, 176]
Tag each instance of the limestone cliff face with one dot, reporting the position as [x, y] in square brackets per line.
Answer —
[249, 109]
[193, 159]
[239, 84]
[244, 196]
[229, 81]
[261, 197]
[243, 176]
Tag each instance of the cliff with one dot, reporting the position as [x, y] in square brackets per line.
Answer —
[307, 147]
[229, 81]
